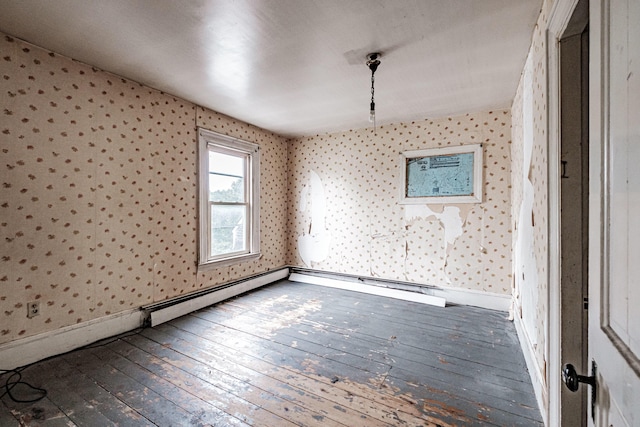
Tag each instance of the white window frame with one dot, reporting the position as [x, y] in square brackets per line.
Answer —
[476, 172]
[213, 141]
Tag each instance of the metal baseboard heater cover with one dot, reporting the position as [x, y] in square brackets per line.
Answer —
[168, 310]
[410, 290]
[369, 289]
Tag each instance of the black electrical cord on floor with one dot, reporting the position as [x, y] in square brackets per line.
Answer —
[11, 383]
[107, 341]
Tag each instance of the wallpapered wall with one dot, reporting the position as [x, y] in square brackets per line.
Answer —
[98, 198]
[344, 214]
[530, 196]
[98, 192]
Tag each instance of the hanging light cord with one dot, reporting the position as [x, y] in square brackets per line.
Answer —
[372, 62]
[373, 104]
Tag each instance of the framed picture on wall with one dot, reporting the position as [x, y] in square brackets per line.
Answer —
[442, 175]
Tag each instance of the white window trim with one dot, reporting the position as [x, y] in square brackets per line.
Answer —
[475, 197]
[206, 139]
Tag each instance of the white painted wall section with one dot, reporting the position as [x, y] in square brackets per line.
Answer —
[525, 266]
[313, 245]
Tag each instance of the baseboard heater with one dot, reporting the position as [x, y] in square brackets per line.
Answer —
[165, 311]
[360, 286]
[429, 294]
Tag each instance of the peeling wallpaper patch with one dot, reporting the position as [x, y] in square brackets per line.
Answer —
[450, 218]
[451, 226]
[314, 243]
[525, 265]
[530, 201]
[370, 232]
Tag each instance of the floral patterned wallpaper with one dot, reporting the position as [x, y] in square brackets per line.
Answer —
[345, 217]
[98, 192]
[98, 206]
[273, 196]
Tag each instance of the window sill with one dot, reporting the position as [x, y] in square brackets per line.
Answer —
[228, 261]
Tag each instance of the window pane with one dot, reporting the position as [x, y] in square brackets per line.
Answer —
[226, 164]
[226, 189]
[226, 178]
[228, 229]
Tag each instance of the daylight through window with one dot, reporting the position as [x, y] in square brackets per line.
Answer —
[229, 199]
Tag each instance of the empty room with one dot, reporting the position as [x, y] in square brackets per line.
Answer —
[297, 212]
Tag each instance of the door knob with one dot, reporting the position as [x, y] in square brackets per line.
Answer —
[572, 380]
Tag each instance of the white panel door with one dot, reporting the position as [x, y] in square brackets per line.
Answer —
[614, 254]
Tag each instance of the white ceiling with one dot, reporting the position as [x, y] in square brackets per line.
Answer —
[297, 67]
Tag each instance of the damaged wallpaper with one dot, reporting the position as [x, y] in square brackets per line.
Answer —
[344, 214]
[530, 197]
[98, 198]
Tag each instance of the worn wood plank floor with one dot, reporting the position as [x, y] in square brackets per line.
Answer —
[293, 354]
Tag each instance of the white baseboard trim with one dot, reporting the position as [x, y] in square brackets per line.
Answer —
[28, 350]
[488, 300]
[172, 311]
[368, 289]
[535, 372]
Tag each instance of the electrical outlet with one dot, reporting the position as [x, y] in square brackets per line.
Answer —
[33, 309]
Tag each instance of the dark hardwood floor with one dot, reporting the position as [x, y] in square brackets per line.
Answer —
[293, 354]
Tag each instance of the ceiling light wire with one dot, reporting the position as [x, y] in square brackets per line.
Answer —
[373, 61]
[372, 107]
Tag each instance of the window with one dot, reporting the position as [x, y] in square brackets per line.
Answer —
[229, 199]
[442, 175]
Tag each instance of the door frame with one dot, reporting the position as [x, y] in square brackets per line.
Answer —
[561, 14]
